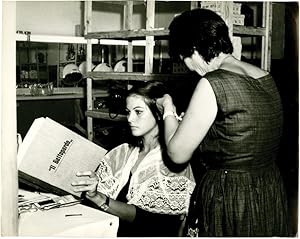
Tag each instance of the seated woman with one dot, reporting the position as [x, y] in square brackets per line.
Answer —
[134, 181]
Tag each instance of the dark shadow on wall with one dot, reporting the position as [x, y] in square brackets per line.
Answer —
[286, 74]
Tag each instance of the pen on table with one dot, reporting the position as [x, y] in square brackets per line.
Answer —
[73, 215]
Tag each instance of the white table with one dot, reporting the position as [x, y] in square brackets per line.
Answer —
[74, 221]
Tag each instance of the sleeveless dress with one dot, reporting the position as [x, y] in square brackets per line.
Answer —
[242, 192]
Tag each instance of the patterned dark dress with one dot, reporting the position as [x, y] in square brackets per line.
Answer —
[242, 193]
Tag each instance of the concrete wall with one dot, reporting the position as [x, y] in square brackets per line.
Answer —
[48, 17]
[60, 17]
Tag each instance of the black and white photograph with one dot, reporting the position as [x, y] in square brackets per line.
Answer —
[149, 118]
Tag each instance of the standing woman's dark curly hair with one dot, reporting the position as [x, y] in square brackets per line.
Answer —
[150, 91]
[199, 29]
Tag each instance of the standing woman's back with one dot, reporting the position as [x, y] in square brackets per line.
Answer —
[235, 119]
[240, 149]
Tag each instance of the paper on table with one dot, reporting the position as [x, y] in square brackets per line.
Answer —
[86, 222]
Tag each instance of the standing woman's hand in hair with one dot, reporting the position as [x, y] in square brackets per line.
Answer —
[165, 104]
[167, 108]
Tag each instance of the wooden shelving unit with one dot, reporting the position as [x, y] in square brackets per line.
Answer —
[32, 62]
[150, 34]
[59, 93]
[134, 76]
[142, 33]
[128, 34]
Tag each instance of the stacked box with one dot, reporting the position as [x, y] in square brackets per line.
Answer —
[214, 6]
[238, 20]
[218, 7]
[236, 8]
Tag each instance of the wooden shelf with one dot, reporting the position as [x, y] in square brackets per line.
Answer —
[35, 63]
[135, 76]
[103, 114]
[248, 30]
[128, 34]
[49, 97]
[162, 32]
[150, 35]
[122, 3]
[60, 93]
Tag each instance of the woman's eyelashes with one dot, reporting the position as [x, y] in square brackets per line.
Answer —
[136, 112]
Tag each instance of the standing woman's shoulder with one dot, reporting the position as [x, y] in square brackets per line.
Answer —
[243, 68]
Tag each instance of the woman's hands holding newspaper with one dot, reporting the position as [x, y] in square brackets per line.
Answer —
[87, 182]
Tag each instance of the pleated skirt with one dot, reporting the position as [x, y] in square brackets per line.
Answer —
[239, 203]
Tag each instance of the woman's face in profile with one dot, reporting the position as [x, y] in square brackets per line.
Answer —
[139, 116]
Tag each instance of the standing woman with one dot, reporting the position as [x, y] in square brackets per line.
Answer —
[135, 181]
[235, 119]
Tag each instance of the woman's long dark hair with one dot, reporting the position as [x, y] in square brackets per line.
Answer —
[199, 29]
[150, 91]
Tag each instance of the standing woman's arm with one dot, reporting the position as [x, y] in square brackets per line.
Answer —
[182, 139]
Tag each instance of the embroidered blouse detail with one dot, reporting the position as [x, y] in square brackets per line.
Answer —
[153, 187]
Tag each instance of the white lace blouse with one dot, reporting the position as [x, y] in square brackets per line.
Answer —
[153, 187]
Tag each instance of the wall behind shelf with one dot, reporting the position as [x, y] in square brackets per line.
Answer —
[48, 17]
[61, 17]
